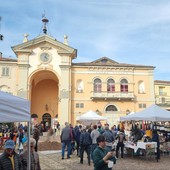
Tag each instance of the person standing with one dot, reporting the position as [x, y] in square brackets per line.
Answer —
[20, 137]
[34, 157]
[36, 136]
[101, 157]
[121, 138]
[85, 142]
[109, 137]
[66, 138]
[77, 138]
[10, 160]
[94, 134]
[155, 138]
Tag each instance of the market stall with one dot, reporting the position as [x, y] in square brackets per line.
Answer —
[152, 113]
[90, 117]
[156, 117]
[15, 109]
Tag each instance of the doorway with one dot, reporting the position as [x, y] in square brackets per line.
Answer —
[46, 118]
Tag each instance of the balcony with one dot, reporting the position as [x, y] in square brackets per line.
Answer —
[112, 95]
[162, 101]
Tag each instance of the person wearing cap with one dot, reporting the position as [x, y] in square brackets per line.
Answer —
[10, 160]
[35, 163]
[101, 157]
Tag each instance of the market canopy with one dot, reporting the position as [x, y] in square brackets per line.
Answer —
[13, 108]
[151, 113]
[90, 117]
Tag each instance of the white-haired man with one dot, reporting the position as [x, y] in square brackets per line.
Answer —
[35, 163]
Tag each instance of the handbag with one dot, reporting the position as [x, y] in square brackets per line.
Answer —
[24, 139]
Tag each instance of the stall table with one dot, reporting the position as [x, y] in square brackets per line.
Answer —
[149, 148]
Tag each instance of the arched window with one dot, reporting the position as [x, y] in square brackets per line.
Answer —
[34, 115]
[5, 88]
[110, 85]
[124, 85]
[97, 85]
[79, 86]
[141, 87]
[111, 108]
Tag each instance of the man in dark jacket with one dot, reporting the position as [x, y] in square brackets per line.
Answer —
[121, 138]
[155, 138]
[36, 136]
[66, 138]
[10, 160]
[85, 142]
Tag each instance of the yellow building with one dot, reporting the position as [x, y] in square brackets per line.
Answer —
[162, 94]
[58, 88]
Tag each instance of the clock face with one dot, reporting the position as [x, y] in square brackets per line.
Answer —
[45, 57]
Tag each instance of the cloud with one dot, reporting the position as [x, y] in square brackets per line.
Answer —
[131, 31]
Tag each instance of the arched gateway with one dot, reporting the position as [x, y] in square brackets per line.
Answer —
[44, 94]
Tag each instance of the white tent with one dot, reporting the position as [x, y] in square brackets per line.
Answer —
[90, 117]
[151, 113]
[15, 109]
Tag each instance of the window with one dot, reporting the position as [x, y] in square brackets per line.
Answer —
[110, 85]
[111, 108]
[5, 88]
[143, 105]
[97, 85]
[5, 71]
[161, 91]
[124, 85]
[79, 105]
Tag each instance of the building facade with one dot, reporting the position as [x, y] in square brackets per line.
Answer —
[57, 88]
[162, 94]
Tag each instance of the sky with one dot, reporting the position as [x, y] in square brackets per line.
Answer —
[127, 31]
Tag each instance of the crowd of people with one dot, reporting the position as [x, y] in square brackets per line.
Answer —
[102, 144]
[95, 140]
[15, 155]
[105, 140]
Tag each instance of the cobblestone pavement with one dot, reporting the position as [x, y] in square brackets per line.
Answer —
[53, 161]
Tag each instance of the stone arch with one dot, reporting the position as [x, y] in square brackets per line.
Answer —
[44, 93]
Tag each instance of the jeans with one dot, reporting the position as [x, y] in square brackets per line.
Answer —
[64, 144]
[87, 149]
[120, 145]
[92, 148]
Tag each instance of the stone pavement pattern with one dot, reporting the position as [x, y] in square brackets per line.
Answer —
[54, 162]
